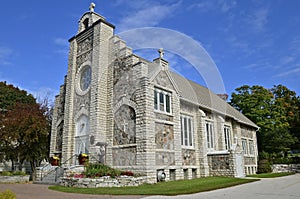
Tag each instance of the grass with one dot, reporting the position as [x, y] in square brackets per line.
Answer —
[163, 188]
[14, 173]
[270, 175]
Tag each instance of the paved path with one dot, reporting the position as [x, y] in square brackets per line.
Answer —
[284, 188]
[273, 188]
[39, 191]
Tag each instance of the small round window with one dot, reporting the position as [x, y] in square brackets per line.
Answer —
[85, 78]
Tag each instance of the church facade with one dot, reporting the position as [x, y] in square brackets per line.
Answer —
[133, 114]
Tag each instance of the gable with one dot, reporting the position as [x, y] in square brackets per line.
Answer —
[163, 79]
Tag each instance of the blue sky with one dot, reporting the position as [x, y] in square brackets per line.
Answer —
[250, 42]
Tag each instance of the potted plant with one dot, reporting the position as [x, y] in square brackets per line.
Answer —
[54, 160]
[83, 158]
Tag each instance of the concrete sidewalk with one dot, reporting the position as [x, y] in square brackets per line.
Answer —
[287, 187]
[284, 188]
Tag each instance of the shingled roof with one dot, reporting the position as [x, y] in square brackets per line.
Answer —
[206, 99]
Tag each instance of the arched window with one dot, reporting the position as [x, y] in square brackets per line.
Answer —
[86, 23]
[82, 134]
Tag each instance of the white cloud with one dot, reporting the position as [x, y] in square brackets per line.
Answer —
[227, 5]
[294, 72]
[295, 45]
[61, 42]
[218, 5]
[181, 45]
[5, 54]
[63, 46]
[258, 19]
[147, 15]
[44, 93]
[287, 60]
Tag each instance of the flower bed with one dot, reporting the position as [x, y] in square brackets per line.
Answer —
[94, 175]
[105, 181]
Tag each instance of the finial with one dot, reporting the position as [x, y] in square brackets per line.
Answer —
[92, 6]
[161, 53]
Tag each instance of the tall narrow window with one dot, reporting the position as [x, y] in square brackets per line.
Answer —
[209, 135]
[182, 131]
[186, 131]
[168, 108]
[190, 127]
[245, 146]
[227, 137]
[155, 100]
[251, 147]
[162, 100]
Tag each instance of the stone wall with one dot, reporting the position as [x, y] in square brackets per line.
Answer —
[221, 165]
[104, 181]
[281, 168]
[14, 179]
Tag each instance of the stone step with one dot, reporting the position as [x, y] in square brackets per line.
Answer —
[51, 177]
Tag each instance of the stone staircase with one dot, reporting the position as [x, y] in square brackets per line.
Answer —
[48, 175]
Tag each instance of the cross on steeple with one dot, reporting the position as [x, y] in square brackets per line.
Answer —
[161, 53]
[92, 6]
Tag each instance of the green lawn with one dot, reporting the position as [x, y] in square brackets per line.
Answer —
[270, 175]
[162, 188]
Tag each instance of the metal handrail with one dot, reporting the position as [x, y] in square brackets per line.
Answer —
[55, 169]
[62, 165]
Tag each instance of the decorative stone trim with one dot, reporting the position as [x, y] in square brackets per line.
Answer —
[105, 181]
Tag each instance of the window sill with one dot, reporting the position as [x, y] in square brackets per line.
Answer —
[162, 112]
[124, 146]
[187, 147]
[217, 152]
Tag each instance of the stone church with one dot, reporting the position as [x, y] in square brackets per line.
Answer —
[138, 115]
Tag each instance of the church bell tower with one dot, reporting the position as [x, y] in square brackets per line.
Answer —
[87, 110]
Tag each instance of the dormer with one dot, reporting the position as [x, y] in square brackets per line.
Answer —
[89, 18]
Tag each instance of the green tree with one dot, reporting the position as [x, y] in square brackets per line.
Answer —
[271, 110]
[25, 127]
[10, 95]
[288, 107]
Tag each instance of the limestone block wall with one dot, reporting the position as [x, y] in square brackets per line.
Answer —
[100, 100]
[202, 143]
[129, 142]
[14, 179]
[57, 125]
[221, 165]
[106, 181]
[68, 128]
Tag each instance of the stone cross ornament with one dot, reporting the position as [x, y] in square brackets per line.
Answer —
[92, 7]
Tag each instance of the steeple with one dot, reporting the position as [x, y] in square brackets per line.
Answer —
[89, 18]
